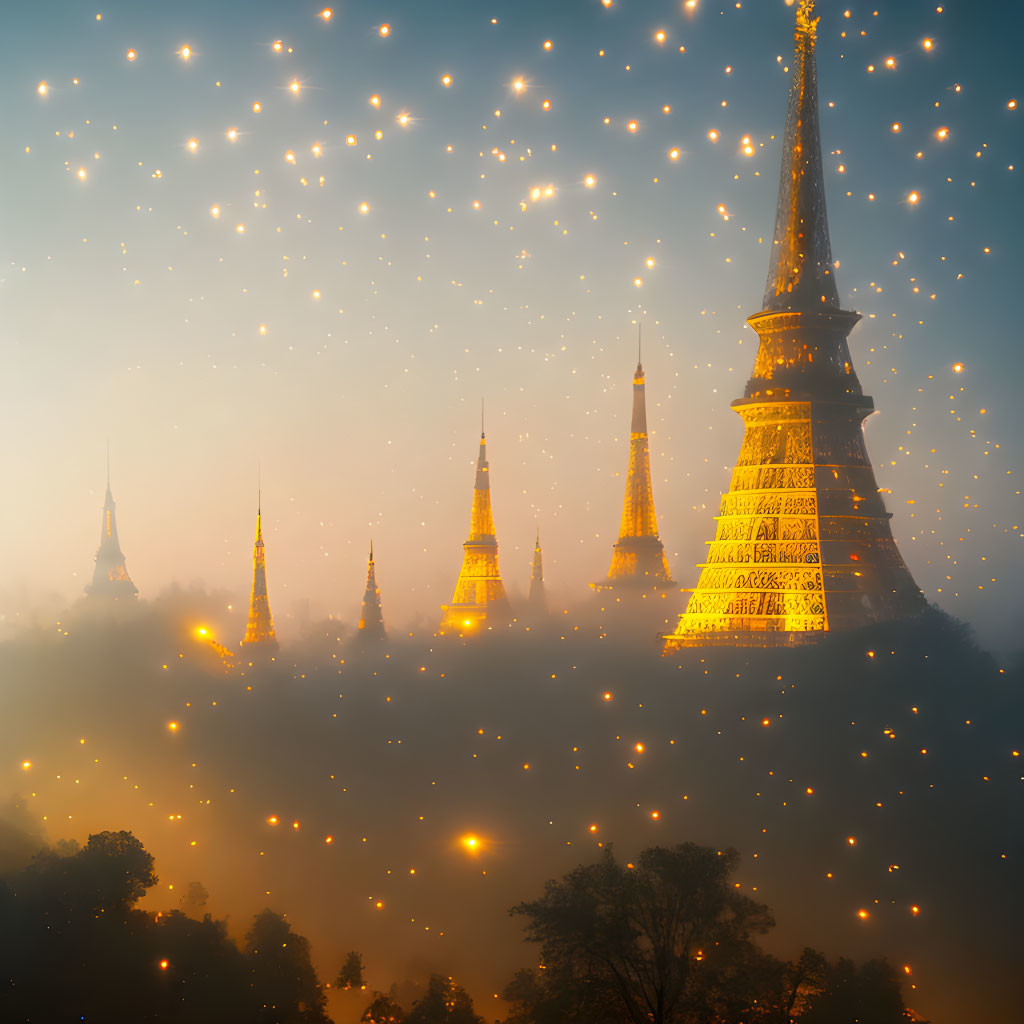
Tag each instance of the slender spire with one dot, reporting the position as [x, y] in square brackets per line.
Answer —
[800, 274]
[638, 555]
[110, 578]
[260, 629]
[537, 599]
[479, 593]
[639, 349]
[371, 619]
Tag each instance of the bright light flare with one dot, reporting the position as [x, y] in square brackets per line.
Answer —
[518, 86]
[471, 843]
[26, 765]
[404, 119]
[914, 197]
[173, 726]
[295, 86]
[660, 36]
[590, 181]
[385, 31]
[446, 80]
[746, 146]
[364, 207]
[958, 367]
[185, 53]
[131, 55]
[231, 135]
[42, 88]
[326, 14]
[192, 145]
[277, 45]
[713, 135]
[674, 153]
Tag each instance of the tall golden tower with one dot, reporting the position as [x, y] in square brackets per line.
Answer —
[260, 630]
[803, 543]
[110, 579]
[638, 556]
[371, 620]
[479, 596]
[537, 601]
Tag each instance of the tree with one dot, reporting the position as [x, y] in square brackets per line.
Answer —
[351, 973]
[665, 941]
[283, 976]
[848, 993]
[444, 1003]
[383, 1010]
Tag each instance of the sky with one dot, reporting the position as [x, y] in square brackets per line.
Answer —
[250, 244]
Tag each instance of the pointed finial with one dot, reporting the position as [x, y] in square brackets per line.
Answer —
[371, 549]
[538, 537]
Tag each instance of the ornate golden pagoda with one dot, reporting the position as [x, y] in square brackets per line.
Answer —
[803, 543]
[110, 579]
[259, 633]
[371, 620]
[638, 556]
[537, 601]
[479, 596]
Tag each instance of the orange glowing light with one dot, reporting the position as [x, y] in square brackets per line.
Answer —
[471, 843]
[327, 14]
[590, 181]
[607, 696]
[385, 30]
[638, 282]
[655, 815]
[765, 722]
[295, 86]
[632, 126]
[164, 964]
[851, 840]
[446, 80]
[639, 748]
[193, 145]
[374, 100]
[131, 55]
[257, 107]
[403, 119]
[272, 820]
[863, 915]
[747, 146]
[277, 46]
[548, 44]
[914, 197]
[328, 840]
[518, 85]
[592, 828]
[296, 826]
[890, 62]
[674, 154]
[942, 134]
[915, 910]
[185, 52]
[42, 88]
[25, 765]
[649, 262]
[927, 43]
[660, 36]
[232, 134]
[172, 726]
[364, 207]
[896, 127]
[958, 367]
[713, 135]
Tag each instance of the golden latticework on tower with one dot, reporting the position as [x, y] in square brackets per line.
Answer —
[803, 543]
[260, 629]
[371, 619]
[638, 557]
[479, 596]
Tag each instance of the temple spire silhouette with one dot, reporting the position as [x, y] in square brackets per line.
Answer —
[638, 556]
[371, 619]
[537, 600]
[110, 579]
[803, 543]
[259, 632]
[479, 596]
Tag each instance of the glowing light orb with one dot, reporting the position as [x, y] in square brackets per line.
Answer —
[277, 45]
[592, 828]
[42, 88]
[316, 293]
[257, 107]
[185, 52]
[172, 726]
[713, 135]
[384, 30]
[518, 85]
[295, 86]
[674, 154]
[546, 105]
[240, 228]
[364, 207]
[851, 840]
[927, 43]
[231, 135]
[914, 197]
[350, 140]
[272, 820]
[81, 173]
[638, 282]
[403, 119]
[316, 149]
[193, 145]
[746, 146]
[655, 815]
[131, 55]
[863, 915]
[590, 181]
[548, 44]
[607, 696]
[649, 262]
[942, 134]
[25, 765]
[328, 840]
[327, 14]
[632, 126]
[660, 36]
[639, 748]
[446, 80]
[896, 127]
[765, 722]
[290, 157]
[164, 964]
[471, 843]
[958, 367]
[374, 100]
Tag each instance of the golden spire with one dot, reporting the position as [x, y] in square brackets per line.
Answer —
[110, 579]
[638, 557]
[800, 274]
[260, 628]
[537, 599]
[803, 543]
[479, 593]
[371, 620]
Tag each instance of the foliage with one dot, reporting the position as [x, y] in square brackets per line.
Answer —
[351, 973]
[444, 1003]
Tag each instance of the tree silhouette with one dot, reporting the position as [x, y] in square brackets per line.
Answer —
[444, 1003]
[383, 1010]
[351, 974]
[283, 976]
[665, 940]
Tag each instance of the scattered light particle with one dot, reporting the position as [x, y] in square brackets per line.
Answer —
[42, 88]
[185, 52]
[590, 181]
[713, 135]
[674, 154]
[446, 80]
[326, 14]
[914, 197]
[131, 55]
[295, 86]
[863, 915]
[384, 30]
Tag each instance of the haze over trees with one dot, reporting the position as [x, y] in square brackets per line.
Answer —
[667, 940]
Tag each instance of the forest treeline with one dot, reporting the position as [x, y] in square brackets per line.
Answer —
[668, 939]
